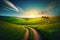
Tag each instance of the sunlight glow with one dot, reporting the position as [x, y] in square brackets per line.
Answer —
[33, 13]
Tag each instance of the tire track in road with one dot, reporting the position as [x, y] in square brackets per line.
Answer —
[26, 34]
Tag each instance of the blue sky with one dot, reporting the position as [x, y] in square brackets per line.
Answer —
[29, 4]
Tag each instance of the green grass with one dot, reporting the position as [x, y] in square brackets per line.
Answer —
[30, 21]
[9, 31]
[48, 31]
[31, 35]
[14, 20]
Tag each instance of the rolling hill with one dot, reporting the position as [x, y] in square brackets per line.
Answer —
[14, 28]
[30, 21]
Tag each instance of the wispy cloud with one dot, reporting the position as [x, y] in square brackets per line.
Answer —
[50, 5]
[11, 5]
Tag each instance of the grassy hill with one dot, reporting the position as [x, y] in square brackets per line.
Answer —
[48, 31]
[11, 28]
[30, 21]
[9, 31]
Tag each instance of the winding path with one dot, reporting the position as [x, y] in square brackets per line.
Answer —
[36, 35]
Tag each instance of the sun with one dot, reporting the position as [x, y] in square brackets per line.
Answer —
[33, 13]
[32, 16]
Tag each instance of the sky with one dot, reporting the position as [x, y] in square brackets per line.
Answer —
[23, 5]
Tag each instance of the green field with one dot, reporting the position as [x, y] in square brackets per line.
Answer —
[14, 28]
[9, 31]
[30, 21]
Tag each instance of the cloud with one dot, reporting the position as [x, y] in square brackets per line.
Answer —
[11, 5]
[50, 5]
[7, 8]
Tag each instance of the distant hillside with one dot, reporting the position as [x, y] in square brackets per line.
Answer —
[30, 21]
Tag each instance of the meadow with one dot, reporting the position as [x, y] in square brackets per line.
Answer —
[14, 28]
